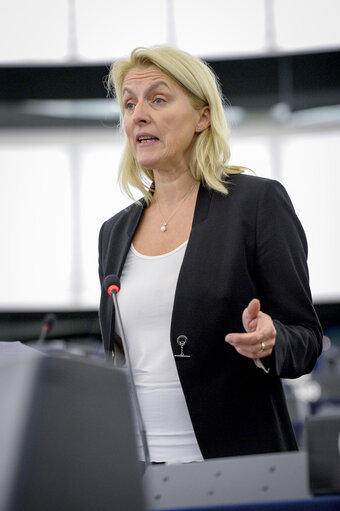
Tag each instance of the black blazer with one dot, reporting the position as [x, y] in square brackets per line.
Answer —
[243, 245]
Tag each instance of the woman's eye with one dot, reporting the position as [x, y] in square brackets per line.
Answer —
[158, 101]
[129, 106]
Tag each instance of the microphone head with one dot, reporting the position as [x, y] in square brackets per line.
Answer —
[111, 284]
[48, 321]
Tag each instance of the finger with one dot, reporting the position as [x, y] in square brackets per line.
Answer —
[252, 325]
[250, 315]
[250, 339]
[254, 351]
[254, 308]
[246, 339]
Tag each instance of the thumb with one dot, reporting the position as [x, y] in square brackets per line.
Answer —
[250, 314]
[254, 308]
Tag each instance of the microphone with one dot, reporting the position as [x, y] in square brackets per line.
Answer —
[47, 325]
[111, 285]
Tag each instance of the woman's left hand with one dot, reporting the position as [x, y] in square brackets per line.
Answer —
[260, 336]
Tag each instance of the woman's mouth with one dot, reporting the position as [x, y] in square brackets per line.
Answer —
[144, 139]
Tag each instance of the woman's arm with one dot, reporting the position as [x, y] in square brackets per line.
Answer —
[283, 318]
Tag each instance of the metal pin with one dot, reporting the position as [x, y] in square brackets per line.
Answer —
[181, 341]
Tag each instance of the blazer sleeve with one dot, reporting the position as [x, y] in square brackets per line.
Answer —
[100, 253]
[283, 284]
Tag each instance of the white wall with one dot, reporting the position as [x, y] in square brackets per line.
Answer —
[82, 30]
[58, 186]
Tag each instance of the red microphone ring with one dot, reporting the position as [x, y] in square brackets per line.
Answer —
[111, 288]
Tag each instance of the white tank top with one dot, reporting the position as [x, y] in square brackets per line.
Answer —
[146, 298]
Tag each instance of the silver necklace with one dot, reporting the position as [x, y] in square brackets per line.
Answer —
[166, 222]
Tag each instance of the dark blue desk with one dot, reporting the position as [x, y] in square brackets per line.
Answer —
[327, 503]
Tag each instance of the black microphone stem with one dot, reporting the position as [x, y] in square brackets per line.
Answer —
[48, 323]
[142, 429]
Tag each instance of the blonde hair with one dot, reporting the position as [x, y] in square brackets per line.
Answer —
[210, 153]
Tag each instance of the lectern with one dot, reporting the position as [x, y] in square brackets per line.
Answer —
[67, 437]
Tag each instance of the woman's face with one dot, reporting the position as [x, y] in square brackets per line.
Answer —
[159, 120]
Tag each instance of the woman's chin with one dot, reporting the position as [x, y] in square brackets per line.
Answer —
[148, 163]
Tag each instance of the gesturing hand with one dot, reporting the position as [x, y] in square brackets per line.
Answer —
[260, 336]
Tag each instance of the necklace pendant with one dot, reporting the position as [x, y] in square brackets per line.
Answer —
[163, 228]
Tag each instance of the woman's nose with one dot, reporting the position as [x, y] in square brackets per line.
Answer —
[140, 113]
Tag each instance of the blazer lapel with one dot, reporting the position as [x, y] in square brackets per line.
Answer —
[202, 206]
[123, 235]
[191, 263]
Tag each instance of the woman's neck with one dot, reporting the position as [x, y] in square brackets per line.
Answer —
[171, 189]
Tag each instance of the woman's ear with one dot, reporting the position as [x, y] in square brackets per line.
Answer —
[204, 119]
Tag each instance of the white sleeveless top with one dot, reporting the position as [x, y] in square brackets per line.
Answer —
[146, 298]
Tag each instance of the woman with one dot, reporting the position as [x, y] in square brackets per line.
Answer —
[214, 294]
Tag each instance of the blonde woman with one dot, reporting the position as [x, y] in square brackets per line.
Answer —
[214, 295]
